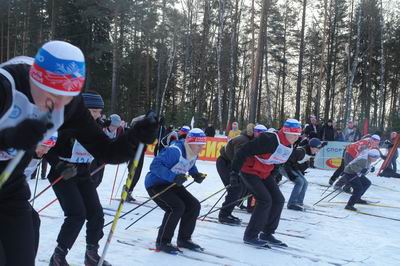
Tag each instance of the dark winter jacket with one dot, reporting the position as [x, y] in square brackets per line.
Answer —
[299, 160]
[231, 148]
[312, 128]
[210, 131]
[327, 133]
[77, 122]
[161, 168]
[251, 158]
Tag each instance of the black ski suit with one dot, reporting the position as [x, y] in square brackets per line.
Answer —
[19, 223]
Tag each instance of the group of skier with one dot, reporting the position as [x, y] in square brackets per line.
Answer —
[44, 114]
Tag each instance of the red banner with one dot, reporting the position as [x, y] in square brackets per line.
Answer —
[210, 151]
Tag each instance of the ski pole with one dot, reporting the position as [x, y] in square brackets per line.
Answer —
[120, 182]
[48, 204]
[140, 205]
[36, 181]
[115, 179]
[152, 209]
[223, 194]
[228, 205]
[125, 190]
[333, 192]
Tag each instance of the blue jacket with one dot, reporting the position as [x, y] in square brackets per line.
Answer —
[160, 169]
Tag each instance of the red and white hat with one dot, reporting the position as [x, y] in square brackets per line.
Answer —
[50, 142]
[292, 126]
[196, 136]
[59, 68]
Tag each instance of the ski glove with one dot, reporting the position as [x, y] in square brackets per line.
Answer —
[372, 169]
[234, 179]
[25, 135]
[199, 177]
[144, 129]
[67, 170]
[180, 179]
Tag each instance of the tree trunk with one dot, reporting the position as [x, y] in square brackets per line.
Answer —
[382, 75]
[114, 89]
[257, 64]
[221, 15]
[300, 67]
[321, 64]
[351, 74]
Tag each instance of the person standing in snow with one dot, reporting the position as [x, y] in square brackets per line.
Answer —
[295, 169]
[224, 169]
[254, 163]
[351, 152]
[39, 96]
[171, 166]
[78, 195]
[391, 169]
[355, 172]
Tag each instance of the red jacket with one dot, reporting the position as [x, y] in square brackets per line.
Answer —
[356, 148]
[254, 157]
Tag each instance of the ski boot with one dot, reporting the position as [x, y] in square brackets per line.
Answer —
[350, 208]
[271, 240]
[229, 219]
[168, 248]
[92, 257]
[256, 242]
[295, 207]
[129, 198]
[58, 257]
[361, 201]
[189, 244]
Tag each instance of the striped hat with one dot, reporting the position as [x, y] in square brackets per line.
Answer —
[184, 130]
[59, 68]
[260, 128]
[292, 126]
[93, 100]
[50, 142]
[196, 136]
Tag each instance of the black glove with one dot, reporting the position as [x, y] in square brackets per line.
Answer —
[180, 179]
[25, 135]
[234, 179]
[144, 130]
[199, 177]
[372, 169]
[364, 171]
[67, 170]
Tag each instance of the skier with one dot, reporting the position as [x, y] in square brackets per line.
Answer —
[223, 165]
[352, 151]
[355, 173]
[294, 169]
[38, 96]
[391, 169]
[169, 167]
[253, 163]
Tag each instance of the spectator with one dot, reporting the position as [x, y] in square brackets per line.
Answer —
[327, 131]
[210, 131]
[312, 129]
[339, 134]
[391, 169]
[351, 133]
[234, 132]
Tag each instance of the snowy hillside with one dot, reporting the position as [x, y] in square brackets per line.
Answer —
[331, 236]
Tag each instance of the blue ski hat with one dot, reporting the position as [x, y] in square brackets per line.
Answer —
[93, 100]
[314, 143]
[260, 128]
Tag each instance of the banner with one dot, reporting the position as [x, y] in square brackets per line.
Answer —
[330, 156]
[210, 151]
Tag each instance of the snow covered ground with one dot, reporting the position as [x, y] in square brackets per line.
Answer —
[332, 237]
